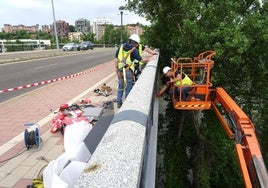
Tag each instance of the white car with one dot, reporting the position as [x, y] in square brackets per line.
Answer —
[70, 47]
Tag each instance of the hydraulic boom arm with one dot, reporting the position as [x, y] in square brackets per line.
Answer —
[240, 128]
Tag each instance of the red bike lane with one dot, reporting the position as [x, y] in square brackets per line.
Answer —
[38, 107]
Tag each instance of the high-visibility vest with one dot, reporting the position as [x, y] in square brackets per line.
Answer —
[124, 59]
[140, 52]
[140, 49]
[185, 81]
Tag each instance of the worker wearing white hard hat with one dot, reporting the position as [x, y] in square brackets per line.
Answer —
[125, 56]
[135, 38]
[166, 69]
[141, 48]
[178, 79]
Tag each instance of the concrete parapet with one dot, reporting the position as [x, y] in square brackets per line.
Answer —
[118, 159]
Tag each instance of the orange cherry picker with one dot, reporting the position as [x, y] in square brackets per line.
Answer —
[235, 122]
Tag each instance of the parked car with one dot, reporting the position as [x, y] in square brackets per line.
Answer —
[85, 45]
[70, 47]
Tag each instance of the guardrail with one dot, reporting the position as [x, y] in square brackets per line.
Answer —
[28, 55]
[9, 48]
[126, 154]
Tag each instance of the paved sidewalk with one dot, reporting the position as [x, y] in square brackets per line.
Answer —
[38, 107]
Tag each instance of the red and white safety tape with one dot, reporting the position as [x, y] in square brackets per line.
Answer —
[43, 82]
[39, 83]
[50, 81]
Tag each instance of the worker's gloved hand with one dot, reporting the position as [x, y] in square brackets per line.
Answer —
[168, 82]
[158, 95]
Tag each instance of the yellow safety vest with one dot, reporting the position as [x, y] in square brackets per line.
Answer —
[124, 59]
[185, 81]
[140, 52]
[140, 49]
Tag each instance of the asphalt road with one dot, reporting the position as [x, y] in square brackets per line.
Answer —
[33, 71]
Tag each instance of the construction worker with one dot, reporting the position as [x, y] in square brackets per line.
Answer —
[139, 65]
[178, 79]
[125, 56]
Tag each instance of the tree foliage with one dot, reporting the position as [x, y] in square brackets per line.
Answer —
[71, 28]
[88, 37]
[112, 35]
[22, 34]
[236, 30]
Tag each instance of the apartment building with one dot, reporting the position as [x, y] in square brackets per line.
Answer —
[75, 36]
[46, 28]
[134, 29]
[82, 25]
[99, 25]
[62, 28]
[13, 28]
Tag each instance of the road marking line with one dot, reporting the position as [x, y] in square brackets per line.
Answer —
[45, 66]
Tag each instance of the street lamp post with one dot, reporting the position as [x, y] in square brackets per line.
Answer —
[38, 35]
[138, 28]
[104, 34]
[55, 27]
[121, 8]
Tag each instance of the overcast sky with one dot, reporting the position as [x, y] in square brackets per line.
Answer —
[32, 12]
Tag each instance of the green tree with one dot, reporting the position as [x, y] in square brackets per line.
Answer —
[88, 37]
[71, 28]
[45, 35]
[22, 34]
[112, 35]
[237, 31]
[109, 35]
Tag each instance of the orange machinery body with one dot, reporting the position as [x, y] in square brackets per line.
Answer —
[198, 69]
[235, 122]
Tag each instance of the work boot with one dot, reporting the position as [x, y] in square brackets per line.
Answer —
[119, 104]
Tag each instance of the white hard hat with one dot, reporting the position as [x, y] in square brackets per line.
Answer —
[166, 69]
[135, 38]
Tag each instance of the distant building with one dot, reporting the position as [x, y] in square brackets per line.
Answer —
[75, 36]
[82, 25]
[46, 28]
[100, 31]
[14, 28]
[134, 29]
[62, 28]
[7, 28]
[99, 25]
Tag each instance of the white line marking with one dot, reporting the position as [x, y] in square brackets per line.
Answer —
[41, 67]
